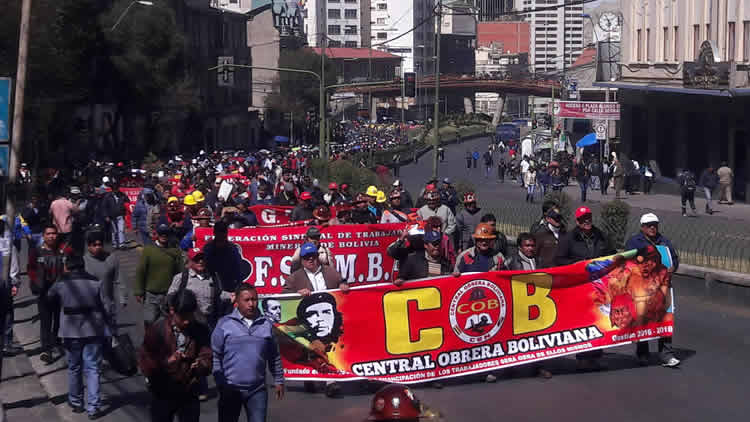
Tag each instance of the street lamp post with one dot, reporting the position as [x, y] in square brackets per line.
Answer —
[125, 12]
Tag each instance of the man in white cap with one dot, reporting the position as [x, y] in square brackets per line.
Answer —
[650, 236]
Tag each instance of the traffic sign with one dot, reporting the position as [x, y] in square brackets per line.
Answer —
[600, 127]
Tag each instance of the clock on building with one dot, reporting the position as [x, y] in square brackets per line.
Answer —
[609, 22]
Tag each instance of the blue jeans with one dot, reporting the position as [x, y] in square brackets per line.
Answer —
[584, 187]
[84, 358]
[118, 231]
[232, 400]
[141, 229]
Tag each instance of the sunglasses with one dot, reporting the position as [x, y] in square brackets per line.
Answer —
[310, 257]
[585, 220]
[652, 225]
[435, 243]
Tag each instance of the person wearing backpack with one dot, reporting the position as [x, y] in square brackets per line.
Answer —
[686, 179]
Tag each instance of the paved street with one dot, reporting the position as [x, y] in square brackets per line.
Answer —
[711, 335]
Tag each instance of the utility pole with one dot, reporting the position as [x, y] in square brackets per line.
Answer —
[436, 118]
[322, 105]
[17, 128]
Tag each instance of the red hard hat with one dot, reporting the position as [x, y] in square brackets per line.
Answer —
[332, 186]
[305, 196]
[394, 402]
[581, 211]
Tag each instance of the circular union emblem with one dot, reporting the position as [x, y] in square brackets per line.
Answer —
[477, 311]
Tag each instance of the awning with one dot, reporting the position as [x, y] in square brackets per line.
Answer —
[587, 140]
[281, 139]
[735, 92]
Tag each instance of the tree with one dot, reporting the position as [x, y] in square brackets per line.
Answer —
[298, 93]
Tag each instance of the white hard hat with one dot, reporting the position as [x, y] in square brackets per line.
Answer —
[649, 218]
[105, 179]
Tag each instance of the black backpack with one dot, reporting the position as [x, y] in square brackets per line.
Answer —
[688, 180]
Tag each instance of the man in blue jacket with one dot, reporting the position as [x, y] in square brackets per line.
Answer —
[650, 236]
[243, 345]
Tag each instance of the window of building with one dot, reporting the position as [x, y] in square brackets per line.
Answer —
[648, 45]
[708, 32]
[350, 1]
[350, 30]
[676, 41]
[665, 42]
[350, 44]
[381, 21]
[382, 35]
[731, 42]
[350, 13]
[746, 41]
[334, 44]
[334, 13]
[638, 46]
[334, 1]
[334, 29]
[382, 6]
[696, 40]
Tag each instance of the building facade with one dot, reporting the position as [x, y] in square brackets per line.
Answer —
[458, 41]
[510, 37]
[493, 10]
[345, 23]
[217, 37]
[683, 88]
[556, 34]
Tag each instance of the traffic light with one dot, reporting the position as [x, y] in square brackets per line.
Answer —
[410, 84]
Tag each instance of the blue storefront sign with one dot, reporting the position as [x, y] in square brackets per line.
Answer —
[5, 84]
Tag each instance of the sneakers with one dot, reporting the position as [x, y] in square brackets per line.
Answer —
[75, 408]
[671, 362]
[96, 414]
[12, 350]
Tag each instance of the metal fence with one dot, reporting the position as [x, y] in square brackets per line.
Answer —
[709, 242]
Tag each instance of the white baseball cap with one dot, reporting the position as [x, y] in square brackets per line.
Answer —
[397, 183]
[649, 218]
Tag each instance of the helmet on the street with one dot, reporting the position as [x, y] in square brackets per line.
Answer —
[395, 402]
[469, 197]
[381, 197]
[484, 231]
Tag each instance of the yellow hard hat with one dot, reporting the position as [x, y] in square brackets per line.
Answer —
[372, 191]
[172, 199]
[381, 197]
[198, 196]
[189, 200]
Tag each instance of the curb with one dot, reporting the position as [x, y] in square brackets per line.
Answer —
[712, 274]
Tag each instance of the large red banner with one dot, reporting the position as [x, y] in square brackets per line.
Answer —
[359, 252]
[453, 326]
[272, 215]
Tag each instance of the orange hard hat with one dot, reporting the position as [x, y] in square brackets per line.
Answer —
[394, 402]
[484, 231]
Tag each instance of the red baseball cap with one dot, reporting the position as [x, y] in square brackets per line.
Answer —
[581, 211]
[193, 253]
[305, 196]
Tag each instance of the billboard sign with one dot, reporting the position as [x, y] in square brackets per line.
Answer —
[596, 110]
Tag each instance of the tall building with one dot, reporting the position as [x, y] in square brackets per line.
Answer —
[493, 10]
[239, 6]
[458, 40]
[392, 32]
[345, 23]
[684, 89]
[556, 34]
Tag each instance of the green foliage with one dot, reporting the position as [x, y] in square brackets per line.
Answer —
[298, 93]
[614, 221]
[344, 171]
[147, 50]
[564, 202]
